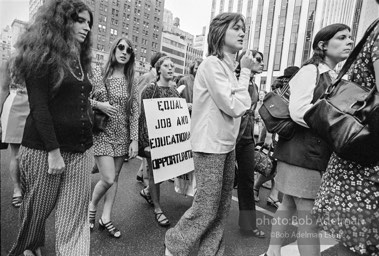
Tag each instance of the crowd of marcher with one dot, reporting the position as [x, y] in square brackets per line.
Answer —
[49, 92]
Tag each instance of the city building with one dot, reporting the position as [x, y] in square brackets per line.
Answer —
[283, 30]
[176, 48]
[191, 55]
[33, 7]
[17, 27]
[6, 41]
[139, 20]
[200, 42]
[172, 25]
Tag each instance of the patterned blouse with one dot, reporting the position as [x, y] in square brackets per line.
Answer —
[121, 128]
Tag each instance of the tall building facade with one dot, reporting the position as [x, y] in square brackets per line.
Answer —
[283, 30]
[18, 27]
[200, 42]
[176, 48]
[5, 44]
[139, 20]
[191, 55]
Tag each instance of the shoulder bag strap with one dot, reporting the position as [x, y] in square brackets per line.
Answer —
[350, 60]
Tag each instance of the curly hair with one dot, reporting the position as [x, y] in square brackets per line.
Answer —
[217, 30]
[49, 41]
[128, 68]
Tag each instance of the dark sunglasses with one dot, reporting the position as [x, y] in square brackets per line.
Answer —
[122, 47]
[258, 59]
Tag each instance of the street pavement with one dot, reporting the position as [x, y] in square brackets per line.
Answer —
[141, 234]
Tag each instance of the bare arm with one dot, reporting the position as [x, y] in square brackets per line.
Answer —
[4, 84]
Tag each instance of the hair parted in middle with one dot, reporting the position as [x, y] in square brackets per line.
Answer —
[217, 30]
[128, 68]
[48, 43]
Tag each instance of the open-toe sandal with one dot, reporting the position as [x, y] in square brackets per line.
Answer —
[161, 219]
[112, 230]
[16, 201]
[91, 218]
[273, 203]
[258, 233]
[146, 197]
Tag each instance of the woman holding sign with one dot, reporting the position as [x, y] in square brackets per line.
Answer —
[115, 94]
[159, 89]
[219, 100]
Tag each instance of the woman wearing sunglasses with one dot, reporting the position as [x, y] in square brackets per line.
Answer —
[116, 95]
[244, 152]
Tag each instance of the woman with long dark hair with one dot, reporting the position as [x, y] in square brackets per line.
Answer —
[302, 159]
[115, 93]
[56, 157]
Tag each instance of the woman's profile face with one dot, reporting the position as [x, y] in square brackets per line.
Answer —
[258, 64]
[123, 52]
[234, 37]
[339, 46]
[167, 69]
[81, 27]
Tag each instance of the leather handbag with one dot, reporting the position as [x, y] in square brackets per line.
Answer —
[275, 113]
[100, 119]
[264, 162]
[347, 115]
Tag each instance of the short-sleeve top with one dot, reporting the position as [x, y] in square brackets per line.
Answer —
[122, 127]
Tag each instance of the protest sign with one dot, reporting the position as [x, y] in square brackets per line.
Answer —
[168, 123]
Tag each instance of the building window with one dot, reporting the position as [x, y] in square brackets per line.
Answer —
[294, 33]
[280, 37]
[309, 29]
[114, 21]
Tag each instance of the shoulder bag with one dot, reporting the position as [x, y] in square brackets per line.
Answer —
[100, 119]
[275, 113]
[347, 115]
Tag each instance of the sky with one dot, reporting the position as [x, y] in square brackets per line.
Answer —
[193, 14]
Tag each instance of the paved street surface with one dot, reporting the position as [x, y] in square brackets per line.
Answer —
[141, 235]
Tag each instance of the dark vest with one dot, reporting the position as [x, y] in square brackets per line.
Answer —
[306, 149]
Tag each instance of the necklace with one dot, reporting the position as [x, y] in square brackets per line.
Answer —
[81, 73]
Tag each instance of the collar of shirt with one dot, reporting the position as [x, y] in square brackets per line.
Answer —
[229, 59]
[325, 68]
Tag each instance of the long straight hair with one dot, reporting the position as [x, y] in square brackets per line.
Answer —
[128, 67]
[217, 30]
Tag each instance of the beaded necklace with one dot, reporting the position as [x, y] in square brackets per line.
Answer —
[81, 73]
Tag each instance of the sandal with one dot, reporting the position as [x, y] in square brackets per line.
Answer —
[146, 197]
[161, 219]
[258, 233]
[253, 232]
[112, 231]
[16, 201]
[272, 202]
[91, 217]
[256, 195]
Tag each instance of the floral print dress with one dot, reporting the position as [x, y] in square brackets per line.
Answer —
[347, 205]
[123, 127]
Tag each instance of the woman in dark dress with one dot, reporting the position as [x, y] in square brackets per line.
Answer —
[347, 204]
